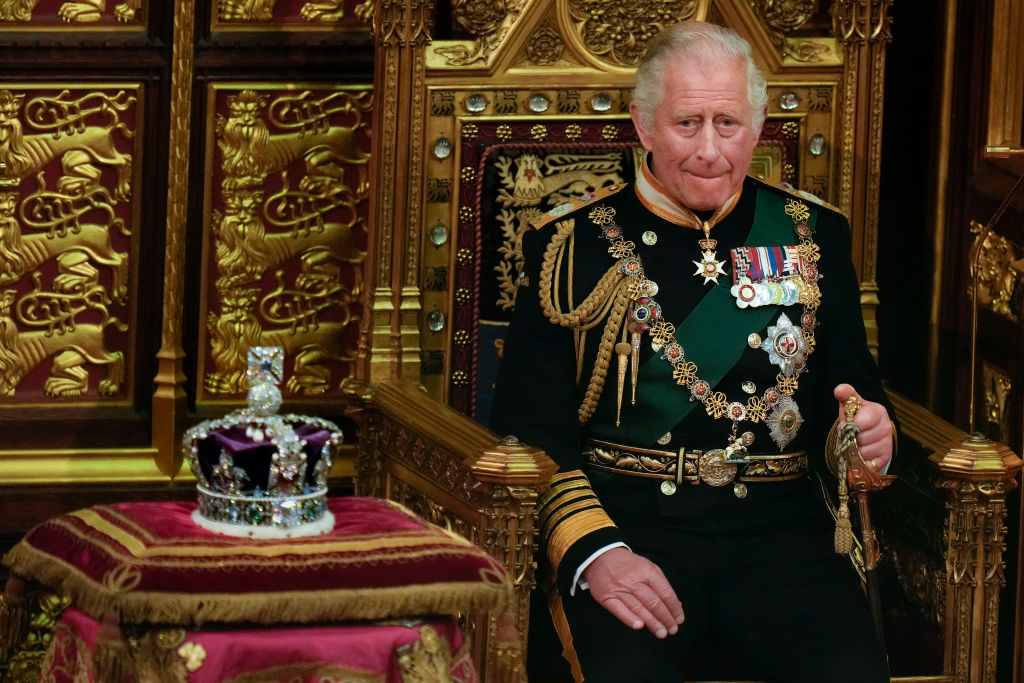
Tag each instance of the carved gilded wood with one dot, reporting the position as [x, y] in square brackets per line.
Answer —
[169, 395]
[73, 15]
[453, 472]
[291, 15]
[285, 233]
[68, 170]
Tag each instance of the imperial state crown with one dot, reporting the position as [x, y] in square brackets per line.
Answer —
[259, 473]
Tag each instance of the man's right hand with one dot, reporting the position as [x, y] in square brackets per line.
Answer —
[635, 590]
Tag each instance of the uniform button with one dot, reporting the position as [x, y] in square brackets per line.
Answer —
[740, 489]
[668, 487]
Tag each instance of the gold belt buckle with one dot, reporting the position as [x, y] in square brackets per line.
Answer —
[715, 470]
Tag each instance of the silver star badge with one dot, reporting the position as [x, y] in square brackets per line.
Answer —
[784, 422]
[785, 346]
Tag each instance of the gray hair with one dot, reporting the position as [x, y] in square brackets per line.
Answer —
[704, 44]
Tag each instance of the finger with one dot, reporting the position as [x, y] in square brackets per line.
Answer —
[663, 589]
[638, 605]
[655, 604]
[623, 613]
[877, 464]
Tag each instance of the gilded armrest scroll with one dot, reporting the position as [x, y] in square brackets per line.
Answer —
[420, 452]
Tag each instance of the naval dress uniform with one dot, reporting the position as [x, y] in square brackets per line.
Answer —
[679, 368]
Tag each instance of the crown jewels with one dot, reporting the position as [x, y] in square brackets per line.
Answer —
[258, 473]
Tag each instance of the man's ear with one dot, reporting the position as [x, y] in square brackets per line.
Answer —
[641, 131]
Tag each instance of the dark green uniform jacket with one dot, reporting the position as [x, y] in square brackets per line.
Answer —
[538, 395]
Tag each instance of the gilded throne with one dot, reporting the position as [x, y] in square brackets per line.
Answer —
[528, 106]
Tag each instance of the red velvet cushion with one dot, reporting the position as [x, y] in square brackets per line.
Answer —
[150, 562]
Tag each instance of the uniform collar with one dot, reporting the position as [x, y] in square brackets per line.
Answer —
[653, 196]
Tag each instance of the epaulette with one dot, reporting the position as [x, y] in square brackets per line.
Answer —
[802, 194]
[575, 203]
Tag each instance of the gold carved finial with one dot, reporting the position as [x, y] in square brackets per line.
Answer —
[977, 457]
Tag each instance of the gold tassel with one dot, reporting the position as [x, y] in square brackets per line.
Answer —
[844, 533]
[635, 367]
[622, 349]
[111, 660]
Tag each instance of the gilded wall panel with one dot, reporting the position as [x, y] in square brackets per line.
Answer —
[295, 15]
[69, 160]
[73, 15]
[285, 235]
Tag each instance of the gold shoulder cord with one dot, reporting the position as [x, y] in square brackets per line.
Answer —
[608, 300]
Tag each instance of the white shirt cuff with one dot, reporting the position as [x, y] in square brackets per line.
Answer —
[577, 579]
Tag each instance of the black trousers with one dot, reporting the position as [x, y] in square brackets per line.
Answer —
[775, 604]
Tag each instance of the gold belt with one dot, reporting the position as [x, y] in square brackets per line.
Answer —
[693, 466]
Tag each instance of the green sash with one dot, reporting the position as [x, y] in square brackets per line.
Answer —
[714, 336]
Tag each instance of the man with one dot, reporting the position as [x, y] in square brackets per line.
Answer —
[684, 407]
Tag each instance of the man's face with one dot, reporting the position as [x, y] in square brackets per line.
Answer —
[701, 134]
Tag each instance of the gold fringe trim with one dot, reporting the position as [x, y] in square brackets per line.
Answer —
[264, 608]
[112, 660]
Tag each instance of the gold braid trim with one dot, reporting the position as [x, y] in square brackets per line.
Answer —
[608, 301]
[567, 512]
[491, 592]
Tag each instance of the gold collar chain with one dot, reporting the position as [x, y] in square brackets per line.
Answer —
[645, 314]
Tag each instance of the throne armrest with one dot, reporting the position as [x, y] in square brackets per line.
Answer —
[942, 527]
[461, 476]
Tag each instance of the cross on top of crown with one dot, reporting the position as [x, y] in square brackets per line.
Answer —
[266, 365]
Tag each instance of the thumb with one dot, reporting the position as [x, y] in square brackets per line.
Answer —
[844, 391]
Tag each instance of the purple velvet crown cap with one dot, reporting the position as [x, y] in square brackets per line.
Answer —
[255, 456]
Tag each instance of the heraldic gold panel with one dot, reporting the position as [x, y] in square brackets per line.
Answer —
[73, 15]
[291, 15]
[68, 225]
[285, 233]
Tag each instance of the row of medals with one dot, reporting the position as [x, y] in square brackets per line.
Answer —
[787, 345]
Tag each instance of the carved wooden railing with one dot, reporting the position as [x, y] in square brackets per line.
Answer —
[954, 573]
[417, 451]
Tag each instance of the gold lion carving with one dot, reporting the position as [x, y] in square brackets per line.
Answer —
[74, 346]
[236, 328]
[22, 155]
[79, 12]
[19, 254]
[250, 151]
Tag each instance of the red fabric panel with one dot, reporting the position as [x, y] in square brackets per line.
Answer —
[364, 651]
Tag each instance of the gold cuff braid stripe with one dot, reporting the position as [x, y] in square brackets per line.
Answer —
[551, 522]
[563, 487]
[571, 530]
[569, 511]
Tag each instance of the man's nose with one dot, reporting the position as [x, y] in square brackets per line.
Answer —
[708, 143]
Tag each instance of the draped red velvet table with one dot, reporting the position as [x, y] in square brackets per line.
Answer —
[357, 652]
[152, 589]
